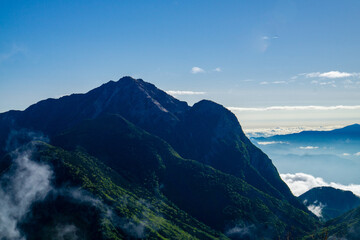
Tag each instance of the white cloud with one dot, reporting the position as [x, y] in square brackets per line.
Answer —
[309, 147]
[274, 82]
[268, 132]
[300, 183]
[295, 108]
[196, 70]
[331, 74]
[171, 92]
[217, 69]
[272, 142]
[346, 154]
[357, 154]
[268, 38]
[278, 82]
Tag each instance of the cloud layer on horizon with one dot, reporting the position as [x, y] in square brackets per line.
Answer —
[295, 108]
[267, 132]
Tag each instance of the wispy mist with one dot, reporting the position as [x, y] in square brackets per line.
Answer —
[243, 231]
[18, 138]
[25, 183]
[316, 208]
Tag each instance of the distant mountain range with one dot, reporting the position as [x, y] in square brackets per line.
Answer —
[333, 155]
[330, 202]
[128, 161]
[347, 134]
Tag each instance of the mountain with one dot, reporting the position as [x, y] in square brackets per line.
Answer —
[346, 134]
[196, 160]
[347, 226]
[206, 132]
[190, 185]
[330, 202]
[89, 200]
[331, 155]
[139, 102]
[143, 182]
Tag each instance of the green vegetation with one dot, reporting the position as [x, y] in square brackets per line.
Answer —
[150, 163]
[133, 207]
[346, 226]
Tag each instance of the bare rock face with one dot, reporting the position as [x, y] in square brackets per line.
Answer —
[138, 101]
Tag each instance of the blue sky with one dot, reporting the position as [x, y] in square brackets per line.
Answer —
[249, 55]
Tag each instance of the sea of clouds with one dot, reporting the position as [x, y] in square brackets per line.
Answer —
[300, 183]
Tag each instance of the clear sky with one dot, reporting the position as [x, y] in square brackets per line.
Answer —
[249, 55]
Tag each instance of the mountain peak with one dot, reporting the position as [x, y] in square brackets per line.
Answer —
[128, 80]
[332, 202]
[226, 121]
[140, 102]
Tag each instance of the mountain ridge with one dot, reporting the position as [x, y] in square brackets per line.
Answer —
[148, 137]
[161, 114]
[331, 202]
[352, 130]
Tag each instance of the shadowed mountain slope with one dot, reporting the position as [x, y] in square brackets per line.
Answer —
[219, 200]
[333, 202]
[346, 227]
[206, 132]
[89, 200]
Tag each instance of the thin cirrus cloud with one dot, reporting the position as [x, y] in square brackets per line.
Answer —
[295, 108]
[196, 70]
[279, 82]
[15, 50]
[274, 82]
[177, 93]
[330, 74]
[268, 37]
[330, 83]
[300, 183]
[265, 42]
[355, 154]
[308, 147]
